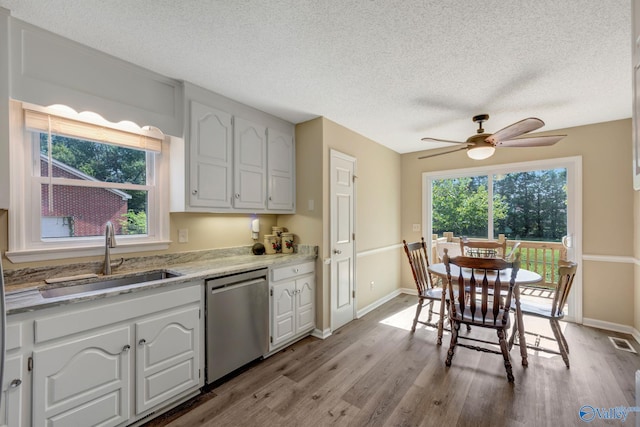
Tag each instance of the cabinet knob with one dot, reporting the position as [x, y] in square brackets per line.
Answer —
[126, 348]
[15, 383]
[237, 195]
[194, 192]
[142, 342]
[295, 270]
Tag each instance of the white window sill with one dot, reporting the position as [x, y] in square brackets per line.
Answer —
[53, 253]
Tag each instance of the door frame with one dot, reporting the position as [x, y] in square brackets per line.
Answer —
[335, 153]
[573, 165]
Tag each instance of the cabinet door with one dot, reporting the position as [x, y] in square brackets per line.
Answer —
[83, 381]
[210, 157]
[305, 304]
[280, 170]
[11, 407]
[250, 165]
[167, 356]
[282, 312]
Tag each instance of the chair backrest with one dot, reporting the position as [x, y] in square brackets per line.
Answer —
[452, 247]
[419, 262]
[474, 293]
[566, 274]
[483, 248]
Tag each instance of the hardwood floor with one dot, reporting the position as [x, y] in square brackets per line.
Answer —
[374, 372]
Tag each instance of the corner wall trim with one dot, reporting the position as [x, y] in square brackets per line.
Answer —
[322, 334]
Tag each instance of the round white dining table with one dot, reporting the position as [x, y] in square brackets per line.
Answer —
[524, 277]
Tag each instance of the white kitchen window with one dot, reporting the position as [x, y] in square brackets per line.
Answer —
[71, 173]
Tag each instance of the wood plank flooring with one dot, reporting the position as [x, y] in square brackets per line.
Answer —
[374, 372]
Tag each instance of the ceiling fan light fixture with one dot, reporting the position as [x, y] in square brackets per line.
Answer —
[481, 152]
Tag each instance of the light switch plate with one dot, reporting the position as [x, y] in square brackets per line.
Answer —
[183, 235]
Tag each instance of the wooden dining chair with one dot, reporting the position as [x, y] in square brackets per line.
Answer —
[551, 309]
[428, 292]
[472, 302]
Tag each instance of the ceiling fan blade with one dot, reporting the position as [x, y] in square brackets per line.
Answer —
[514, 130]
[531, 141]
[441, 153]
[442, 140]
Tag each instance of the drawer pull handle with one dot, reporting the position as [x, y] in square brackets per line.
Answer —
[126, 348]
[337, 251]
[15, 383]
[142, 341]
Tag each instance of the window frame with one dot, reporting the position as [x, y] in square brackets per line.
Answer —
[25, 242]
[573, 165]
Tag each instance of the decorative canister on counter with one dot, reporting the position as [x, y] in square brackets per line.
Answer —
[287, 243]
[270, 244]
[277, 231]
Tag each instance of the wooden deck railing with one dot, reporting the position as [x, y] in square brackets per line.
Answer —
[541, 257]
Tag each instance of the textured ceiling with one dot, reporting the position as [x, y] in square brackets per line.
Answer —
[392, 70]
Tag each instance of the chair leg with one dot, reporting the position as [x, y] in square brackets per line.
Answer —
[513, 333]
[555, 327]
[455, 328]
[441, 319]
[505, 354]
[418, 310]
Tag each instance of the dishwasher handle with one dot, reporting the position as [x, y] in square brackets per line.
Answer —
[213, 288]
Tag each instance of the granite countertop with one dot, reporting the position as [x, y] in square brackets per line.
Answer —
[23, 286]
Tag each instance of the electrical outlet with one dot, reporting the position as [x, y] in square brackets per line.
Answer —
[183, 235]
[416, 227]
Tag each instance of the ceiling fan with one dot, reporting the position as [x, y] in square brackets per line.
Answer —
[483, 145]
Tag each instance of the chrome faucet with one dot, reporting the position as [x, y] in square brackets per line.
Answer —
[109, 242]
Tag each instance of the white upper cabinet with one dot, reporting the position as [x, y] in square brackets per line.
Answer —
[238, 159]
[210, 157]
[250, 184]
[280, 174]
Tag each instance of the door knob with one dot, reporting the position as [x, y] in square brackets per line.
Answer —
[337, 251]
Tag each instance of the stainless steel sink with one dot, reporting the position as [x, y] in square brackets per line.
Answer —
[106, 283]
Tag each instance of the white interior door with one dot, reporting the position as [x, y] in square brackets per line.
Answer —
[342, 235]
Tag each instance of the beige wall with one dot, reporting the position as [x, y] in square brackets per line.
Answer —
[377, 209]
[206, 231]
[608, 207]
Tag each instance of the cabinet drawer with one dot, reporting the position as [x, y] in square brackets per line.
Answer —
[289, 271]
[102, 312]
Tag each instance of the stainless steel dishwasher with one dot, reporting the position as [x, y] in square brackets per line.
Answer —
[237, 318]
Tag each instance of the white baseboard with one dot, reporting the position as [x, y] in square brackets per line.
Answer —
[383, 300]
[322, 334]
[610, 326]
[595, 323]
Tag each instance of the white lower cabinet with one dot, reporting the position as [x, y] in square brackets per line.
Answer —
[112, 362]
[292, 293]
[167, 357]
[14, 380]
[83, 381]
